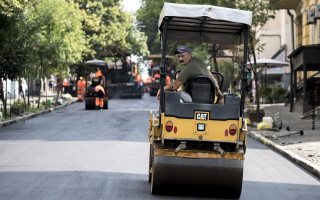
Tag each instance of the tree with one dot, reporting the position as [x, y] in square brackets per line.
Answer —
[13, 52]
[58, 37]
[229, 72]
[110, 32]
[261, 12]
[40, 37]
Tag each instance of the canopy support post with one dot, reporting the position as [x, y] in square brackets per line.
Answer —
[244, 70]
[163, 65]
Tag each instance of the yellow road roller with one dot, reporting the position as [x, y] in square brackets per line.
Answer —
[196, 145]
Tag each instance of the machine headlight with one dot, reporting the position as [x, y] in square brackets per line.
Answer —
[201, 127]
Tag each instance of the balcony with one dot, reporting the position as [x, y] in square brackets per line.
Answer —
[286, 4]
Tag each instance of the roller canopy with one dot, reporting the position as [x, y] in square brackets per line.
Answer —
[204, 23]
[96, 62]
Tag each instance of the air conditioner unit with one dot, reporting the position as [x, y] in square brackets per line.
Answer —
[317, 12]
[311, 19]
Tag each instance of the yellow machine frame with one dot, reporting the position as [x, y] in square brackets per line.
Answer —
[186, 132]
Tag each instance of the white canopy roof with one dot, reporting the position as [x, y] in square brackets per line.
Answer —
[96, 62]
[204, 23]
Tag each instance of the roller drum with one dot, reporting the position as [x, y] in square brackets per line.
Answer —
[217, 177]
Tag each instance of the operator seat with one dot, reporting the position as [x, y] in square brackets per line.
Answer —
[96, 81]
[201, 89]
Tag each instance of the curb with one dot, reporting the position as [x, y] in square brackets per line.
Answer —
[312, 168]
[31, 115]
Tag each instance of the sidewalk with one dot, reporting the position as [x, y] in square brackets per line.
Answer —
[28, 115]
[303, 148]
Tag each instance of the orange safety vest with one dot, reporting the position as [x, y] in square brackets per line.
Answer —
[80, 84]
[98, 73]
[98, 88]
[149, 79]
[168, 80]
[155, 76]
[137, 78]
[65, 82]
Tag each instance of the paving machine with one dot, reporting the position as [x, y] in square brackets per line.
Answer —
[155, 81]
[121, 80]
[95, 71]
[154, 72]
[199, 146]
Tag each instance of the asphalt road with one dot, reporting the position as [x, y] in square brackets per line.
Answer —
[75, 154]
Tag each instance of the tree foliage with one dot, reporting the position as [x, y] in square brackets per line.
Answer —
[110, 30]
[262, 11]
[41, 37]
[57, 35]
[229, 72]
[46, 35]
[13, 53]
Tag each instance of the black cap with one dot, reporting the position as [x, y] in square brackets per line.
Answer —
[182, 49]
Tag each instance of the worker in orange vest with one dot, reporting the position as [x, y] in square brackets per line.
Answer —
[65, 85]
[155, 76]
[137, 80]
[84, 82]
[98, 73]
[65, 82]
[100, 93]
[81, 86]
[148, 82]
[168, 80]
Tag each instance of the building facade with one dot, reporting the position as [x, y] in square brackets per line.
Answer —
[277, 39]
[304, 57]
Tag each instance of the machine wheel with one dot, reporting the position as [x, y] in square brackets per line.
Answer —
[105, 104]
[86, 105]
[150, 163]
[154, 186]
[92, 105]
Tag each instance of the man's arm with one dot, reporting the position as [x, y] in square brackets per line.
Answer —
[172, 87]
[218, 92]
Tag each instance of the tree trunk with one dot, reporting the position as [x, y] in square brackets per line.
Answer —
[21, 91]
[2, 98]
[39, 73]
[46, 88]
[254, 67]
[214, 58]
[39, 97]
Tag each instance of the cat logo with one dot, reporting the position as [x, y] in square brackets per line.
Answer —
[202, 116]
[208, 11]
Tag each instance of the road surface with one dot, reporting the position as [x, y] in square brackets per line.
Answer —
[75, 154]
